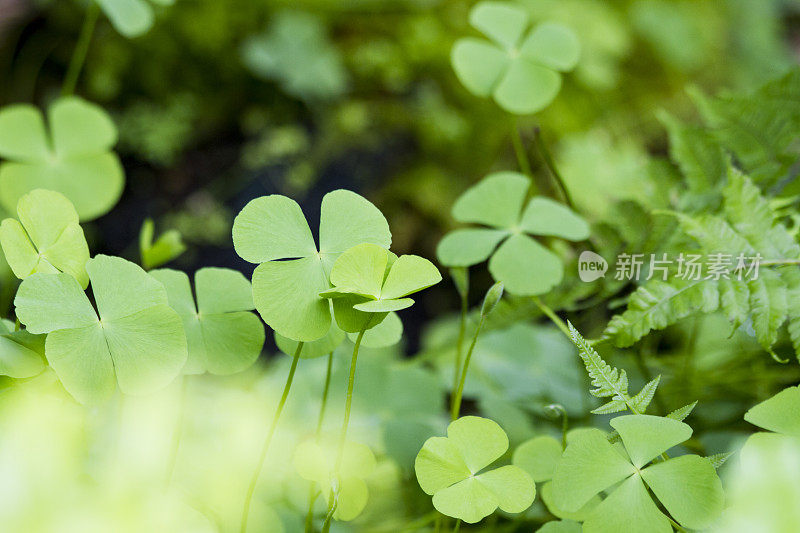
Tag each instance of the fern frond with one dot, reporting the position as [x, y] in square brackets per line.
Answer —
[718, 459]
[697, 154]
[614, 406]
[658, 304]
[642, 400]
[606, 380]
[681, 413]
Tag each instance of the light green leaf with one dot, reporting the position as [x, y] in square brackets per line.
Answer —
[560, 526]
[384, 306]
[132, 18]
[552, 45]
[352, 320]
[689, 488]
[544, 216]
[646, 436]
[628, 508]
[439, 465]
[589, 465]
[779, 413]
[75, 161]
[167, 247]
[538, 457]
[47, 239]
[387, 333]
[409, 274]
[361, 270]
[511, 485]
[579, 515]
[468, 246]
[21, 353]
[468, 500]
[479, 440]
[526, 87]
[503, 22]
[526, 267]
[137, 341]
[496, 200]
[223, 336]
[478, 65]
[272, 227]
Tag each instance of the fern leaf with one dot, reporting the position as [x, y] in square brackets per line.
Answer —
[614, 406]
[681, 414]
[734, 299]
[768, 306]
[607, 381]
[658, 304]
[642, 400]
[718, 459]
[697, 154]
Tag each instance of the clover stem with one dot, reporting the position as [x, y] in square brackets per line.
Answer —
[257, 473]
[458, 527]
[456, 408]
[558, 179]
[176, 438]
[312, 493]
[519, 150]
[17, 325]
[349, 398]
[326, 525]
[552, 316]
[81, 49]
[676, 525]
[459, 345]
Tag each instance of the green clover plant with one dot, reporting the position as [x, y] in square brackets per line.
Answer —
[21, 353]
[46, 239]
[74, 157]
[369, 282]
[134, 339]
[222, 335]
[518, 66]
[167, 247]
[292, 272]
[539, 457]
[686, 486]
[780, 414]
[316, 459]
[451, 469]
[131, 18]
[525, 266]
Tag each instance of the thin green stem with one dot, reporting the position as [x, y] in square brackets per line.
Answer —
[345, 423]
[458, 527]
[326, 525]
[547, 157]
[176, 438]
[459, 346]
[312, 493]
[519, 150]
[564, 428]
[81, 49]
[552, 316]
[456, 408]
[17, 325]
[273, 426]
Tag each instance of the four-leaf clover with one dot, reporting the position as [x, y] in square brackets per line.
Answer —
[74, 158]
[687, 486]
[316, 461]
[134, 338]
[523, 265]
[46, 239]
[272, 231]
[222, 335]
[451, 470]
[518, 67]
[369, 282]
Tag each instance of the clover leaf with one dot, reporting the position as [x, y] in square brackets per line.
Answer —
[316, 461]
[451, 470]
[21, 353]
[539, 457]
[74, 158]
[686, 486]
[518, 66]
[272, 231]
[132, 18]
[46, 239]
[780, 414]
[222, 335]
[297, 53]
[369, 282]
[523, 265]
[560, 526]
[134, 339]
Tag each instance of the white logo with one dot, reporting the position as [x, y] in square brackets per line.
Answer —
[591, 266]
